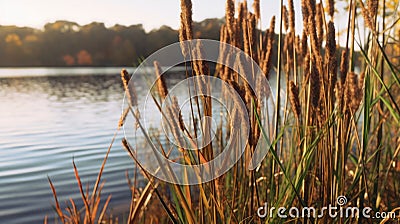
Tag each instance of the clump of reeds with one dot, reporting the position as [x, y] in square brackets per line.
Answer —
[339, 142]
[325, 111]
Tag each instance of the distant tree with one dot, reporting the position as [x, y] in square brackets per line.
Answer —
[69, 60]
[65, 43]
[84, 58]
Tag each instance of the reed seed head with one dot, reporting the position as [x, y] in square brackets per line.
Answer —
[178, 113]
[373, 8]
[361, 81]
[294, 99]
[307, 60]
[267, 64]
[315, 83]
[121, 120]
[353, 94]
[331, 53]
[129, 90]
[185, 31]
[344, 64]
[305, 13]
[161, 84]
[230, 16]
[256, 7]
[331, 7]
[291, 16]
[319, 25]
[285, 18]
[304, 43]
[368, 20]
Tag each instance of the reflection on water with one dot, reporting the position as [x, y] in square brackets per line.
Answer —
[44, 123]
[46, 120]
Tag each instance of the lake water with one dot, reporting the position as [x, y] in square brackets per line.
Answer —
[48, 116]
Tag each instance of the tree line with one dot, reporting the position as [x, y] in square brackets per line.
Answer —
[66, 43]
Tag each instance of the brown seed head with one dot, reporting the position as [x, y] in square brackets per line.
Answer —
[304, 44]
[305, 13]
[123, 117]
[285, 18]
[256, 7]
[315, 83]
[294, 99]
[230, 16]
[291, 16]
[353, 94]
[331, 7]
[185, 31]
[267, 63]
[178, 113]
[161, 85]
[129, 89]
[331, 53]
[361, 81]
[373, 8]
[311, 7]
[344, 64]
[319, 24]
[368, 20]
[306, 65]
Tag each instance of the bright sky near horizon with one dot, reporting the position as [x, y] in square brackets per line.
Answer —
[151, 13]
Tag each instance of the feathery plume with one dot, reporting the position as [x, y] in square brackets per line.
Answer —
[185, 31]
[369, 13]
[373, 8]
[161, 85]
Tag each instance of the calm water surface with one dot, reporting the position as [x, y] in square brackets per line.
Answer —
[47, 117]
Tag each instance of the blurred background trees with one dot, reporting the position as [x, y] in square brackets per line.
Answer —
[65, 43]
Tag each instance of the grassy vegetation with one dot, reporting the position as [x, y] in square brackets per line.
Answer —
[335, 133]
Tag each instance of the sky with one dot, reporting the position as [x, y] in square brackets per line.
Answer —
[151, 13]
